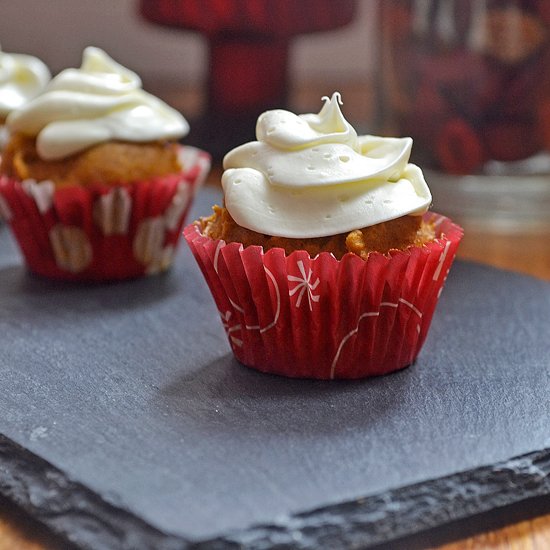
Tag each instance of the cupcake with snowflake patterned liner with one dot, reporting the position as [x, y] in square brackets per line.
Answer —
[22, 77]
[93, 181]
[324, 261]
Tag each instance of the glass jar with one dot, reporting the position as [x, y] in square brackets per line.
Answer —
[469, 81]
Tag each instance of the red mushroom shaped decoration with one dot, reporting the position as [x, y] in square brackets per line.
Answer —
[248, 51]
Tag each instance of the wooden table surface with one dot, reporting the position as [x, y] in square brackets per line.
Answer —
[525, 253]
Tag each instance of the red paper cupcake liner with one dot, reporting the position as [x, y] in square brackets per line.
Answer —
[321, 317]
[102, 232]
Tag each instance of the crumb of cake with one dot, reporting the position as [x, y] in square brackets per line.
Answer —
[395, 234]
[107, 163]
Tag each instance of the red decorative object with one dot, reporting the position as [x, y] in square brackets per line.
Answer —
[248, 51]
[468, 80]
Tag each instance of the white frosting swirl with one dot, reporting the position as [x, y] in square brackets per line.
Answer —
[313, 176]
[101, 101]
[22, 77]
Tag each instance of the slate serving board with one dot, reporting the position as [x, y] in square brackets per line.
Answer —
[126, 422]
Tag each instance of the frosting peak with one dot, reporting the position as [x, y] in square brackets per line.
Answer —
[22, 77]
[311, 176]
[98, 74]
[282, 129]
[101, 101]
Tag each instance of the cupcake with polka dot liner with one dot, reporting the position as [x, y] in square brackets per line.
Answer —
[93, 180]
[324, 261]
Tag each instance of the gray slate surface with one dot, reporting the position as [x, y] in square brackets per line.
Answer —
[127, 423]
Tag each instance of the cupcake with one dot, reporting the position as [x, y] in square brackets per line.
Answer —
[22, 77]
[93, 181]
[324, 261]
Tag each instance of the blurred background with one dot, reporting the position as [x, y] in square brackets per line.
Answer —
[173, 61]
[464, 78]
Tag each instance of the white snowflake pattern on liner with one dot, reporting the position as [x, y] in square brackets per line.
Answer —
[111, 211]
[71, 248]
[304, 285]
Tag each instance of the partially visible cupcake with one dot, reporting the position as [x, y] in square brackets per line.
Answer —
[324, 261]
[22, 77]
[94, 181]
